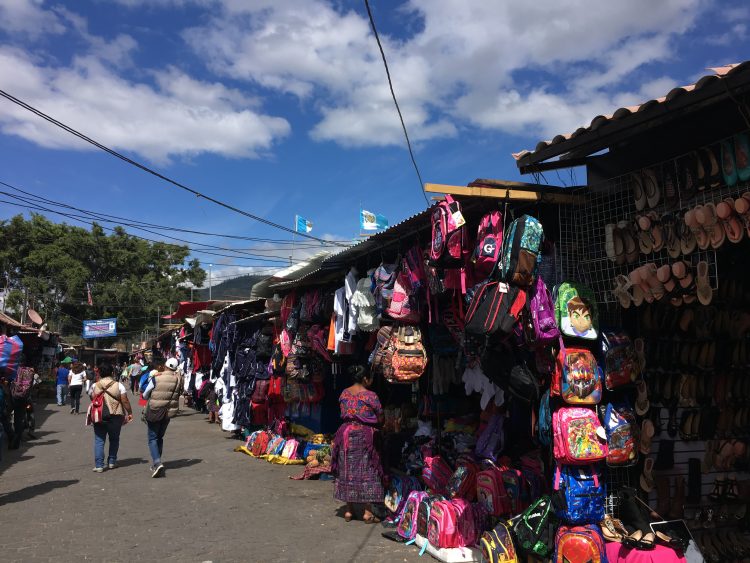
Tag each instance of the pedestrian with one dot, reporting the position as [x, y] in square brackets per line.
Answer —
[355, 457]
[76, 379]
[120, 412]
[62, 383]
[163, 396]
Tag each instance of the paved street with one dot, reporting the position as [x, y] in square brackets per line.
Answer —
[214, 504]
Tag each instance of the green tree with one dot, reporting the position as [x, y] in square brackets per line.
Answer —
[52, 264]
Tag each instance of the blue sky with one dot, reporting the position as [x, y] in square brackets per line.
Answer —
[282, 107]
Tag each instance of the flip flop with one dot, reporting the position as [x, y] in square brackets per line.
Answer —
[703, 283]
[729, 220]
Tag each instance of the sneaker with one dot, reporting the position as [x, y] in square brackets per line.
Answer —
[112, 465]
[98, 470]
[158, 471]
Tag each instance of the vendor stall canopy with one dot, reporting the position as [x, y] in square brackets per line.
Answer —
[726, 86]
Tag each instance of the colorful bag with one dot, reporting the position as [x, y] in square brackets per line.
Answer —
[449, 239]
[520, 250]
[497, 545]
[407, 523]
[530, 529]
[622, 435]
[409, 359]
[577, 378]
[540, 328]
[463, 482]
[583, 490]
[621, 366]
[579, 544]
[576, 311]
[577, 439]
[435, 473]
[489, 244]
[495, 306]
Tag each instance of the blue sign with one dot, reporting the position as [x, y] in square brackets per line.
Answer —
[100, 328]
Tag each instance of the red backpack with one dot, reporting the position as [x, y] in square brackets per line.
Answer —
[489, 244]
[449, 240]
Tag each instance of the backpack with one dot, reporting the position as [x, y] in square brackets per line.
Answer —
[449, 239]
[466, 532]
[435, 473]
[494, 307]
[530, 529]
[622, 435]
[399, 489]
[463, 482]
[408, 517]
[621, 366]
[22, 384]
[489, 244]
[521, 250]
[540, 327]
[404, 305]
[583, 490]
[577, 378]
[441, 527]
[579, 544]
[491, 492]
[409, 356]
[497, 545]
[544, 424]
[576, 311]
[575, 436]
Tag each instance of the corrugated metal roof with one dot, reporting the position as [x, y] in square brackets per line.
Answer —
[561, 144]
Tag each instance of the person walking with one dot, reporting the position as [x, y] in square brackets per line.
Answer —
[355, 459]
[120, 412]
[163, 396]
[61, 381]
[76, 379]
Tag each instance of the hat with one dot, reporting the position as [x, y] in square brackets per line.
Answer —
[171, 364]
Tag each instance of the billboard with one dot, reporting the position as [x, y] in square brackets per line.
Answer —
[100, 328]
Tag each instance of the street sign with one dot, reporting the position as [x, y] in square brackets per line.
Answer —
[100, 328]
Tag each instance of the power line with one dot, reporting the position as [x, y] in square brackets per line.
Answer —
[395, 101]
[153, 172]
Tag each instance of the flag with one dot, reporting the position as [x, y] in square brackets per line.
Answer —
[369, 221]
[302, 225]
[88, 292]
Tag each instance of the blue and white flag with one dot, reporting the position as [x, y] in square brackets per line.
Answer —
[302, 225]
[369, 221]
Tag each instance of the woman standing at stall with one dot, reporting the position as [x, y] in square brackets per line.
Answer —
[355, 457]
[76, 379]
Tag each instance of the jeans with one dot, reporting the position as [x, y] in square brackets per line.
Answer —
[156, 431]
[75, 397]
[62, 391]
[112, 429]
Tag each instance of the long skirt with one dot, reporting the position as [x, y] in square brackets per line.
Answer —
[357, 465]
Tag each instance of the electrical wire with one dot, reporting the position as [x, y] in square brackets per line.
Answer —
[395, 101]
[153, 172]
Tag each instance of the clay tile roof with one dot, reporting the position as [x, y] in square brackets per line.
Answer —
[527, 157]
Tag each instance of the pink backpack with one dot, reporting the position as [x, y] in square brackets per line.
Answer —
[407, 524]
[489, 244]
[441, 528]
[449, 239]
[575, 436]
[436, 473]
[466, 533]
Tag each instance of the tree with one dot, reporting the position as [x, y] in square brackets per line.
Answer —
[52, 265]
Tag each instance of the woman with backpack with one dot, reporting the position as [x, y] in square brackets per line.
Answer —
[76, 379]
[355, 457]
[120, 412]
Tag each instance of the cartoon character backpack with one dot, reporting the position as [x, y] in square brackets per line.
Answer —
[579, 544]
[583, 490]
[579, 438]
[521, 250]
[497, 545]
[489, 244]
[576, 311]
[621, 366]
[577, 378]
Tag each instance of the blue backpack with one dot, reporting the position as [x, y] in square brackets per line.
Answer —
[544, 424]
[583, 490]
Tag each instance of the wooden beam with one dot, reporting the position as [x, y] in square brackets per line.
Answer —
[500, 193]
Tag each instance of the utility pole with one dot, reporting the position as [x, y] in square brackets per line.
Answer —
[210, 284]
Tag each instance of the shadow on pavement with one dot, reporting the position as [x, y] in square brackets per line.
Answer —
[178, 463]
[34, 490]
[131, 461]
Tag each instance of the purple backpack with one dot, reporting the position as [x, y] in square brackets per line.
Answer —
[540, 326]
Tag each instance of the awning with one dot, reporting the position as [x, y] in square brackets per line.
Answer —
[188, 309]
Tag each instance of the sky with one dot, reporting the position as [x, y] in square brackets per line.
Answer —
[282, 107]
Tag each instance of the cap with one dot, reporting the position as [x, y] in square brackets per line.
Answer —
[171, 364]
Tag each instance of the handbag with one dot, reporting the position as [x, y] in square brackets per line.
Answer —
[158, 414]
